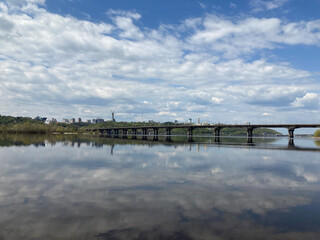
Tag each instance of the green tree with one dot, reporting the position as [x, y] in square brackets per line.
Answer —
[317, 133]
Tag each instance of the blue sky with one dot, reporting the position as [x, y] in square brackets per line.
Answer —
[222, 61]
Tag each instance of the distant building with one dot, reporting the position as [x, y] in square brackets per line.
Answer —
[151, 121]
[89, 121]
[65, 120]
[113, 119]
[72, 120]
[198, 121]
[190, 120]
[98, 120]
[53, 120]
[79, 120]
[42, 119]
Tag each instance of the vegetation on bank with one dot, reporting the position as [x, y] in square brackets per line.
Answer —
[10, 124]
[317, 133]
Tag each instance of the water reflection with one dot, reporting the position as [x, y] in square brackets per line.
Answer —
[123, 189]
[77, 140]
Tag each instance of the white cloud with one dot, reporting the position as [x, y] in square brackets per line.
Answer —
[124, 21]
[233, 5]
[26, 5]
[273, 95]
[128, 28]
[216, 100]
[167, 114]
[3, 7]
[309, 100]
[202, 5]
[82, 67]
[260, 5]
[216, 170]
[127, 14]
[235, 38]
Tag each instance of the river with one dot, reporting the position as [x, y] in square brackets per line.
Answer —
[84, 187]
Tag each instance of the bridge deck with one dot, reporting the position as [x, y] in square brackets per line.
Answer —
[215, 127]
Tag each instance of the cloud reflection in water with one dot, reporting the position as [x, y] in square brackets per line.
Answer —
[157, 192]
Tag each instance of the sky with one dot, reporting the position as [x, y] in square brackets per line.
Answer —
[162, 60]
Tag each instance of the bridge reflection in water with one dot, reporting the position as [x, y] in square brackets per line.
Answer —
[275, 143]
[197, 141]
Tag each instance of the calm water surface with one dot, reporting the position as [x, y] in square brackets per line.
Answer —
[69, 187]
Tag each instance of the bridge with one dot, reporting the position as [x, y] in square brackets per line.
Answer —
[191, 127]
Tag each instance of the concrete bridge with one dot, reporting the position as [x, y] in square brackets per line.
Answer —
[191, 127]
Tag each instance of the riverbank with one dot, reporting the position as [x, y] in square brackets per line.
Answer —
[25, 125]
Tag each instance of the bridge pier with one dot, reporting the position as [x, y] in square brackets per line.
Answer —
[116, 132]
[190, 134]
[190, 131]
[134, 132]
[291, 132]
[168, 131]
[249, 132]
[155, 131]
[168, 138]
[217, 131]
[144, 131]
[291, 142]
[124, 133]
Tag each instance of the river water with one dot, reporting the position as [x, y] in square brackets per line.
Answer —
[70, 187]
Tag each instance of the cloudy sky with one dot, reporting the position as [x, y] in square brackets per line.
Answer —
[220, 60]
